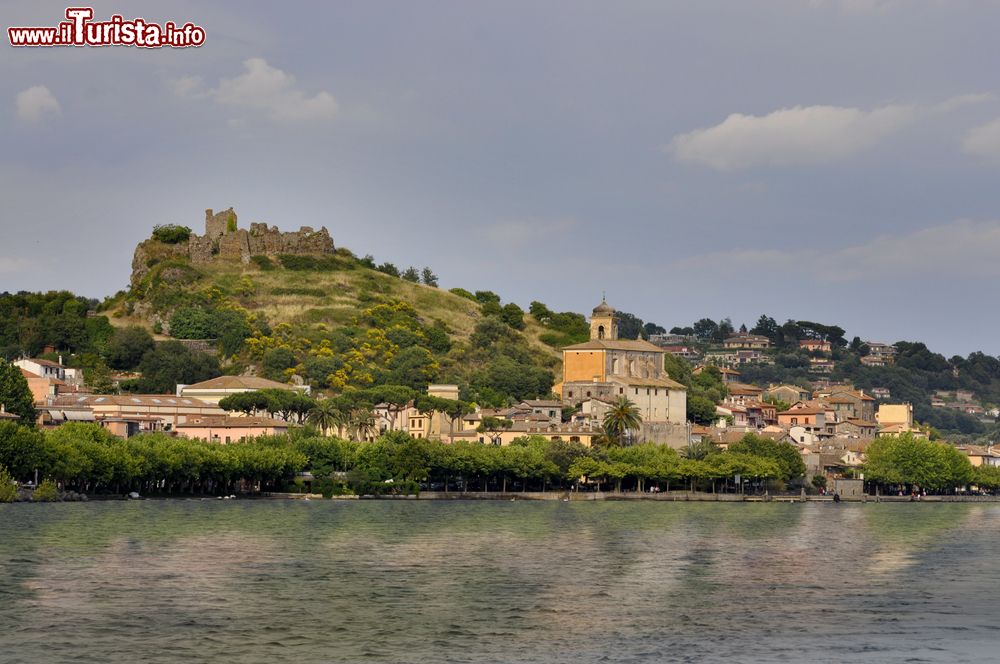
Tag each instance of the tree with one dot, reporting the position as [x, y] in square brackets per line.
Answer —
[325, 414]
[171, 364]
[411, 274]
[706, 329]
[621, 419]
[15, 396]
[701, 410]
[414, 367]
[428, 277]
[127, 346]
[388, 268]
[492, 426]
[513, 315]
[766, 327]
[786, 455]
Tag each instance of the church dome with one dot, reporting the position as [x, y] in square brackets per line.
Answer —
[603, 309]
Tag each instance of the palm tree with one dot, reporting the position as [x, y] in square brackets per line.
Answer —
[622, 418]
[362, 423]
[325, 414]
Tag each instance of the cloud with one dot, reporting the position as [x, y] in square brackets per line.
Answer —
[983, 141]
[264, 88]
[960, 248]
[11, 264]
[517, 233]
[36, 103]
[789, 136]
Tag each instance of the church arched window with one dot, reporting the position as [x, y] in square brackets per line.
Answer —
[615, 366]
[600, 331]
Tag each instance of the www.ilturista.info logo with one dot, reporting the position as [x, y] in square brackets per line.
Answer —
[79, 30]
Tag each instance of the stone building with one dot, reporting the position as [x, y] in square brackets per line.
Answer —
[606, 367]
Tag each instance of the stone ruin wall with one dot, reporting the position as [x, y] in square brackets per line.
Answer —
[220, 243]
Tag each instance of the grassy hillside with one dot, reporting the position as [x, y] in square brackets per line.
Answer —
[316, 316]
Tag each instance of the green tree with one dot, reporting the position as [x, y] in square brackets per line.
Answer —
[513, 315]
[15, 396]
[786, 455]
[621, 419]
[171, 364]
[701, 410]
[411, 274]
[127, 346]
[325, 414]
[428, 277]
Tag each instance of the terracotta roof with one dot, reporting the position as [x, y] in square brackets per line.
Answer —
[46, 363]
[617, 344]
[239, 383]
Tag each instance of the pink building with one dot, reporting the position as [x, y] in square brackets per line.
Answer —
[229, 429]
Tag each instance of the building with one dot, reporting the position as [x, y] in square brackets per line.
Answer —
[746, 341]
[607, 367]
[787, 393]
[215, 390]
[229, 429]
[816, 346]
[886, 352]
[898, 415]
[153, 412]
[51, 370]
[743, 394]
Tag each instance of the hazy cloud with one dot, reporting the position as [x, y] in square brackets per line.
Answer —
[959, 248]
[264, 88]
[983, 141]
[789, 136]
[36, 103]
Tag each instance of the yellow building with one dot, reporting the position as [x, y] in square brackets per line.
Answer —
[607, 367]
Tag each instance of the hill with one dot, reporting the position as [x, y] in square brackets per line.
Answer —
[289, 305]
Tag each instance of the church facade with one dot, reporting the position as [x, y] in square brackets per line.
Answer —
[607, 368]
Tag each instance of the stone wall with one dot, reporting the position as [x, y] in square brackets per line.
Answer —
[219, 243]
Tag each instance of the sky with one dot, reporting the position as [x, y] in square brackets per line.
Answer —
[826, 160]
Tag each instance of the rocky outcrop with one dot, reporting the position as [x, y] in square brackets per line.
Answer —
[224, 241]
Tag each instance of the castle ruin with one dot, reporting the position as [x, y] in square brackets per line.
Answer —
[224, 240]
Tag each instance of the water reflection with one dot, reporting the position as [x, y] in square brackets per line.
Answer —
[490, 582]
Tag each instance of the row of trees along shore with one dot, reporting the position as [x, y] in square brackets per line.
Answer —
[87, 459]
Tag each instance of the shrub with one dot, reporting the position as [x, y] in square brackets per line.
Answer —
[8, 490]
[171, 233]
[46, 492]
[309, 263]
[263, 262]
[461, 292]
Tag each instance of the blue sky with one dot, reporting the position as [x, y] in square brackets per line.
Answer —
[832, 160]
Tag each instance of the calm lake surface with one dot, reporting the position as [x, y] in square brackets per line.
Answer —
[380, 581]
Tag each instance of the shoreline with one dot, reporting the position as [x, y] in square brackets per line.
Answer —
[606, 496]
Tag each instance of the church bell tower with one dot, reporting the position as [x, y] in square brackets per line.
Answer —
[602, 322]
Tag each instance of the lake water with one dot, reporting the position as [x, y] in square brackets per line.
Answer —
[380, 581]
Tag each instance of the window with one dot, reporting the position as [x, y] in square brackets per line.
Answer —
[570, 394]
[795, 420]
[621, 390]
[600, 331]
[588, 394]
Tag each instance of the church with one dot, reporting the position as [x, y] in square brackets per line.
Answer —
[606, 368]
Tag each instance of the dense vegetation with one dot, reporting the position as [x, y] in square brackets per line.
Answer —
[86, 458]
